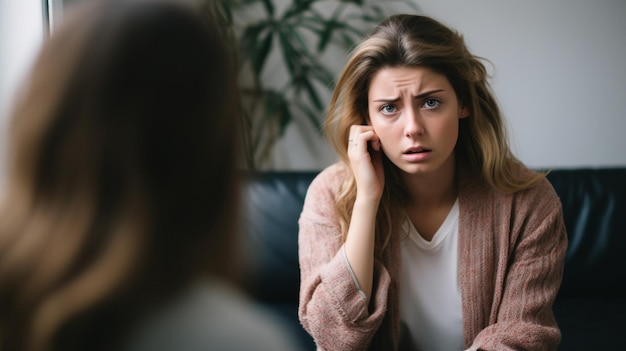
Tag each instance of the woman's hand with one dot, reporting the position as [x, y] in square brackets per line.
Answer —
[365, 154]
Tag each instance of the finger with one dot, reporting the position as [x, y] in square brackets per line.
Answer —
[353, 139]
[356, 130]
[365, 137]
[376, 144]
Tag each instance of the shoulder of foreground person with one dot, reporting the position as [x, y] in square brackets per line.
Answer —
[213, 316]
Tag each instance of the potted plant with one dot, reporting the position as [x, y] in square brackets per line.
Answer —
[283, 49]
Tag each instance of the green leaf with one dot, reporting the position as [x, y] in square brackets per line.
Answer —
[289, 53]
[356, 2]
[346, 28]
[379, 13]
[312, 25]
[300, 45]
[332, 23]
[315, 117]
[312, 94]
[276, 109]
[261, 55]
[326, 35]
[322, 75]
[347, 41]
[250, 37]
[269, 7]
[298, 7]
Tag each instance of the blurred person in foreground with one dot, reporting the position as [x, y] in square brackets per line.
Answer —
[118, 229]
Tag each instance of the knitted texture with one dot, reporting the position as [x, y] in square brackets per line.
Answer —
[511, 254]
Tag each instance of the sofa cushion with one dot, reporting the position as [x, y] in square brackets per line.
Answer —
[594, 210]
[591, 324]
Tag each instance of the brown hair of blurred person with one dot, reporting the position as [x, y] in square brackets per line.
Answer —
[122, 174]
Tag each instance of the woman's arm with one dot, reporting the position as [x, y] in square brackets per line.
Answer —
[522, 316]
[359, 245]
[332, 308]
[366, 164]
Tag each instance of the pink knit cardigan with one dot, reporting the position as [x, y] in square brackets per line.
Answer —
[511, 255]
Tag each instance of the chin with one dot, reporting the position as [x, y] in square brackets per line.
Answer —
[416, 169]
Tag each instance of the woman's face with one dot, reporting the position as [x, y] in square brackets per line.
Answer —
[415, 113]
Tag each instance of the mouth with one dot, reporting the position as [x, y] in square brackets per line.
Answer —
[416, 150]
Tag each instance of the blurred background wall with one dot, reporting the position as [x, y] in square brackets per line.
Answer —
[558, 72]
[21, 32]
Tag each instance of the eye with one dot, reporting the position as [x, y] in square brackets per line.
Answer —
[431, 104]
[388, 109]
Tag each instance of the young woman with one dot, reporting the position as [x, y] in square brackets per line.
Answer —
[428, 234]
[118, 229]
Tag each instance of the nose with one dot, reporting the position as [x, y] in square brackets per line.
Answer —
[412, 123]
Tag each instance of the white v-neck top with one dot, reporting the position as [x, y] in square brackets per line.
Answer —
[430, 297]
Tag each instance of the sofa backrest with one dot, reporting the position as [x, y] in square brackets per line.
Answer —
[272, 202]
[594, 209]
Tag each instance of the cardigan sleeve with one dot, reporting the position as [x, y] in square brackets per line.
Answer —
[332, 308]
[524, 319]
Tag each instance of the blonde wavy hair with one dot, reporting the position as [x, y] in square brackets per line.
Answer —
[122, 187]
[409, 41]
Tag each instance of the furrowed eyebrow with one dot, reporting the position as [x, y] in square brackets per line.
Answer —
[387, 100]
[417, 97]
[426, 93]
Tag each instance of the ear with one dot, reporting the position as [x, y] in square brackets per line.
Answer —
[464, 113]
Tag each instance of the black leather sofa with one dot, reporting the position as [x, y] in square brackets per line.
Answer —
[591, 304]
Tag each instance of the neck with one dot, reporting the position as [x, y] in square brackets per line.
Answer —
[434, 189]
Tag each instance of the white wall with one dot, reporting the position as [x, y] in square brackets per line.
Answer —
[21, 32]
[559, 74]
